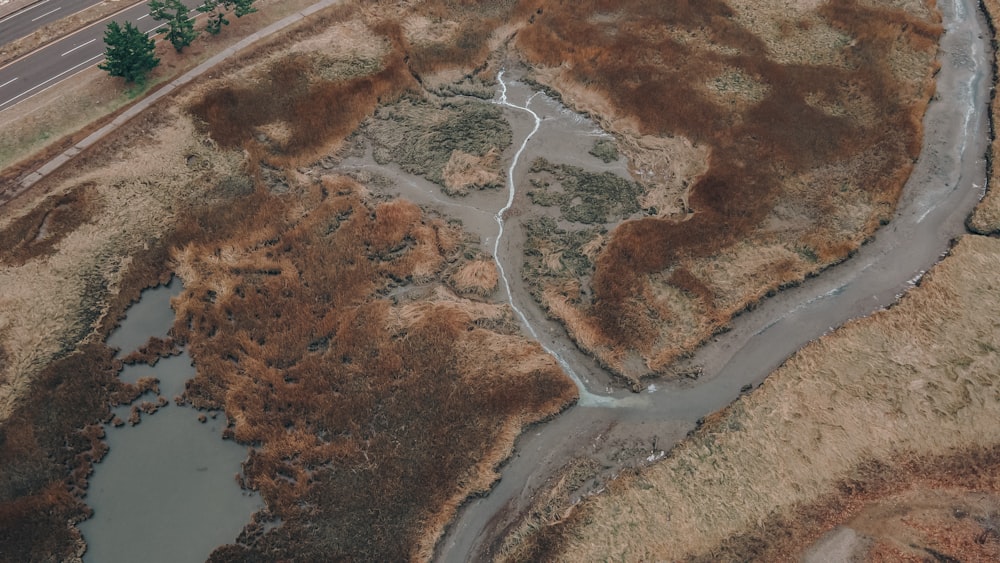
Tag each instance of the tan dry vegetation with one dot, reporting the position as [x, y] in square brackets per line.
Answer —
[805, 145]
[904, 399]
[453, 142]
[51, 120]
[479, 277]
[464, 171]
[925, 521]
[351, 399]
[311, 113]
[99, 231]
[986, 218]
[70, 250]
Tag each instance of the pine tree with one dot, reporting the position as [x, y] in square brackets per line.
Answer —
[180, 29]
[243, 7]
[218, 8]
[217, 19]
[129, 52]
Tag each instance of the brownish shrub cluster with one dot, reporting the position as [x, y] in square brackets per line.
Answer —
[315, 112]
[151, 352]
[372, 420]
[654, 78]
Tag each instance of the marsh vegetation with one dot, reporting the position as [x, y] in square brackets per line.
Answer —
[356, 340]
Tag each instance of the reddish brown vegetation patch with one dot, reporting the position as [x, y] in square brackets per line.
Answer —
[367, 416]
[37, 233]
[311, 113]
[655, 80]
[151, 352]
[314, 112]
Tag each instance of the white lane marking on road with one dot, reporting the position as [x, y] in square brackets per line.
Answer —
[78, 46]
[141, 17]
[155, 28]
[8, 82]
[46, 13]
[33, 88]
[21, 13]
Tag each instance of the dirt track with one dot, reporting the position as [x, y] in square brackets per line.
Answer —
[945, 185]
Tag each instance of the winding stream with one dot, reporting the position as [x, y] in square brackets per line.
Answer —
[945, 184]
[586, 397]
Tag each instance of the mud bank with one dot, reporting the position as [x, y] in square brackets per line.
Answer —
[944, 186]
[165, 491]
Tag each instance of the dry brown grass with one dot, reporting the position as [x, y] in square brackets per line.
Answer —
[465, 171]
[477, 278]
[49, 431]
[95, 222]
[352, 400]
[906, 395]
[313, 113]
[375, 416]
[814, 137]
[36, 234]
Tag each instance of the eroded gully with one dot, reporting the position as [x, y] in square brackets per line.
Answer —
[946, 183]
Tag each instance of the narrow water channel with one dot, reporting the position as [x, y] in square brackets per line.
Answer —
[166, 491]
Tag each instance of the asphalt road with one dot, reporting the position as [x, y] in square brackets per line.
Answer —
[64, 58]
[24, 21]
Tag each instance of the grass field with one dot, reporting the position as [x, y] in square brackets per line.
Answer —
[351, 337]
[901, 403]
[807, 143]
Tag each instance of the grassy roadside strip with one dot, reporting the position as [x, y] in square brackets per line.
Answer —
[56, 119]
